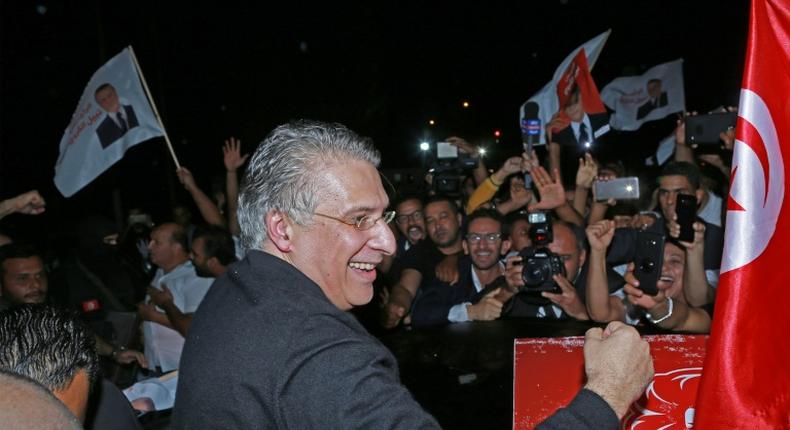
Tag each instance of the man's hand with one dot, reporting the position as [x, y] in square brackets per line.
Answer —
[29, 203]
[487, 309]
[447, 269]
[519, 195]
[568, 300]
[462, 145]
[552, 193]
[513, 269]
[636, 295]
[148, 312]
[728, 137]
[128, 356]
[232, 155]
[529, 161]
[600, 235]
[618, 365]
[699, 234]
[393, 314]
[587, 172]
[160, 297]
[186, 178]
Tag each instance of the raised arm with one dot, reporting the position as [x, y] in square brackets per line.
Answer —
[233, 160]
[552, 196]
[208, 209]
[30, 203]
[601, 306]
[679, 317]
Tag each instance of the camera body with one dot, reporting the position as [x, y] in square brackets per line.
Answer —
[539, 265]
[449, 169]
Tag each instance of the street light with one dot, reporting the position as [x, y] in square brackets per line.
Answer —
[424, 146]
[465, 104]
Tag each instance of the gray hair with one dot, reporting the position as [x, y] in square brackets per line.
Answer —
[46, 344]
[283, 173]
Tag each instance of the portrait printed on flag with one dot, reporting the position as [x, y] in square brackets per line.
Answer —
[119, 119]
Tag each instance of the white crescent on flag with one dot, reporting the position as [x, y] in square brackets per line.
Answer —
[757, 189]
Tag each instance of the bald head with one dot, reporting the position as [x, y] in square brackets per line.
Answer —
[26, 404]
[168, 246]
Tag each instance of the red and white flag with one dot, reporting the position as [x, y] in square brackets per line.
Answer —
[112, 115]
[573, 71]
[746, 378]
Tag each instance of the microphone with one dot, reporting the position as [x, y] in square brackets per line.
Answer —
[530, 133]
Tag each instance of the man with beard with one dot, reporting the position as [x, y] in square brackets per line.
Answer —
[443, 221]
[175, 277]
[213, 251]
[484, 245]
[410, 221]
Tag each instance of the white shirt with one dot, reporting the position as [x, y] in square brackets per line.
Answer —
[711, 213]
[162, 344]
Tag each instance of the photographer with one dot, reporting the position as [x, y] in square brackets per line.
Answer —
[668, 309]
[568, 246]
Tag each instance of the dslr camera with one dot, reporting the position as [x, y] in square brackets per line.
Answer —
[539, 265]
[449, 169]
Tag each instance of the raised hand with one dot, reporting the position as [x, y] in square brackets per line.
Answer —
[232, 155]
[600, 235]
[552, 193]
[587, 172]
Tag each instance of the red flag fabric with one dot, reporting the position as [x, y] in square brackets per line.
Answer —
[746, 377]
[577, 75]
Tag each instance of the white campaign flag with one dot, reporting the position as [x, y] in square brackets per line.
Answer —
[653, 95]
[113, 115]
[545, 101]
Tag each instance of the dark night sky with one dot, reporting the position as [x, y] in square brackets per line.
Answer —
[383, 69]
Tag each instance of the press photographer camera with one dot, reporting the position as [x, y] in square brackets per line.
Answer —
[449, 167]
[539, 264]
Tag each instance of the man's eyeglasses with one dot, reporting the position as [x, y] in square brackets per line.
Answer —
[363, 223]
[414, 216]
[489, 237]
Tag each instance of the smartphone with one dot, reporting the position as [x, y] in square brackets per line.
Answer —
[648, 260]
[686, 211]
[446, 150]
[618, 189]
[703, 130]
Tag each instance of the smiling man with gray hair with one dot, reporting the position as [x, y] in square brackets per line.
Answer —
[271, 345]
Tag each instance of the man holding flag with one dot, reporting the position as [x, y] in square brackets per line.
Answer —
[745, 378]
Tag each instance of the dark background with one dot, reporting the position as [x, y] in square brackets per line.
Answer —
[384, 69]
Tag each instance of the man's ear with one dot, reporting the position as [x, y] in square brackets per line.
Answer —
[505, 247]
[279, 230]
[466, 246]
[582, 257]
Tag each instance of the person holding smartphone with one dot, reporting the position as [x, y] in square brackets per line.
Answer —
[703, 261]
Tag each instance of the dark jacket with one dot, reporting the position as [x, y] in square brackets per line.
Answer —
[267, 349]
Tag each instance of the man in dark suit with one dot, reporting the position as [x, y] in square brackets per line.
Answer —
[657, 98]
[120, 118]
[569, 144]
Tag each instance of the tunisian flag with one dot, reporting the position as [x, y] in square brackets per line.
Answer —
[746, 377]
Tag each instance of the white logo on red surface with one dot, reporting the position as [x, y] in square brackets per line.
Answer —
[668, 402]
[757, 189]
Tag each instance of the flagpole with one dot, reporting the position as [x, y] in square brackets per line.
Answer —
[153, 105]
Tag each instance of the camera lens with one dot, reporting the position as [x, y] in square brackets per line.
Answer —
[536, 272]
[647, 266]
